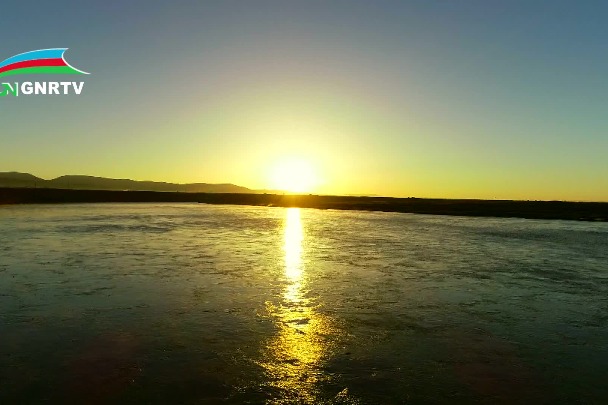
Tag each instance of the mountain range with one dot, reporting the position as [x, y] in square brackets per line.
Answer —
[16, 179]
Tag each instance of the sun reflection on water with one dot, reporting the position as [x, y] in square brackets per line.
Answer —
[294, 236]
[295, 354]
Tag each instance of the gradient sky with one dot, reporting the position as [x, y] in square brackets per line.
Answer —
[474, 99]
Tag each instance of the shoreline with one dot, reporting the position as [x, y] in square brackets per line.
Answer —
[564, 210]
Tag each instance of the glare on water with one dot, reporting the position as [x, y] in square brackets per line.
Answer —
[295, 353]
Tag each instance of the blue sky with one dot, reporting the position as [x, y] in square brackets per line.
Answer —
[481, 99]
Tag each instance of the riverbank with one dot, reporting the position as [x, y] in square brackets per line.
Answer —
[580, 211]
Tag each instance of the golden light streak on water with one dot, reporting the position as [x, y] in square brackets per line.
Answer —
[294, 237]
[297, 351]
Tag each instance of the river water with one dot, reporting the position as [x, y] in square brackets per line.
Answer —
[195, 303]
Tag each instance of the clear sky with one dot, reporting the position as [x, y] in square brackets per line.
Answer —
[479, 99]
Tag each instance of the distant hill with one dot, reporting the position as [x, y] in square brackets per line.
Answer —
[15, 179]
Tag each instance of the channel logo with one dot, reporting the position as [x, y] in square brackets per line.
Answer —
[43, 61]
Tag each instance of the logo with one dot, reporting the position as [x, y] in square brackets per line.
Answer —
[42, 61]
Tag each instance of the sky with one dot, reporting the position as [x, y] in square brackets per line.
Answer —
[450, 99]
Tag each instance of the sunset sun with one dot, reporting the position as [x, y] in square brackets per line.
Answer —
[293, 175]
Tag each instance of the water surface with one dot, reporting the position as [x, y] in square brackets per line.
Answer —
[193, 303]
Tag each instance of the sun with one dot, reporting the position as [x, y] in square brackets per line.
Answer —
[294, 175]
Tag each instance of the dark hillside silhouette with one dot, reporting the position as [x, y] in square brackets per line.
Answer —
[79, 182]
